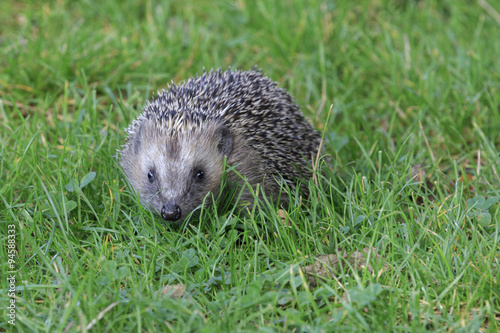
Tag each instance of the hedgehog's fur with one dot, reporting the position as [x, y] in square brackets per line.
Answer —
[191, 127]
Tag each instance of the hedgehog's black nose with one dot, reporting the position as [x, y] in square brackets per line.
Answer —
[171, 212]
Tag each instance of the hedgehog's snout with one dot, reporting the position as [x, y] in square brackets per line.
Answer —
[171, 212]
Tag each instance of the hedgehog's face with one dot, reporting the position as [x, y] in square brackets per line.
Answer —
[174, 173]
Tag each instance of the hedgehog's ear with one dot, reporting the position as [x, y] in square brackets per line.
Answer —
[225, 140]
[137, 139]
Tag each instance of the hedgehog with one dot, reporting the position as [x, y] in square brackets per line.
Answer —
[175, 152]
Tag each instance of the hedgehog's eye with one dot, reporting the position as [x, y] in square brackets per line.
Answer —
[151, 176]
[199, 175]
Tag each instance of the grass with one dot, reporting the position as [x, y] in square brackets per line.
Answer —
[411, 82]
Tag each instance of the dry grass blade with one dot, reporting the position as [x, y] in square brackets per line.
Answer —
[326, 266]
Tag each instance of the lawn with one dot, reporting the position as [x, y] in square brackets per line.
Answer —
[406, 213]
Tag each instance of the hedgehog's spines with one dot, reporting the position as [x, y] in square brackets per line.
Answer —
[247, 103]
